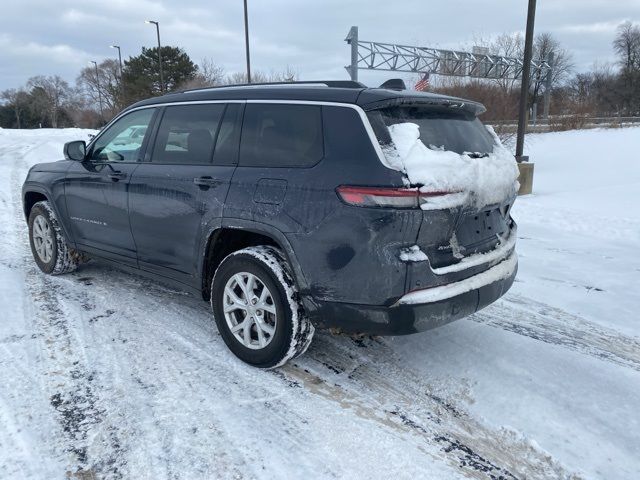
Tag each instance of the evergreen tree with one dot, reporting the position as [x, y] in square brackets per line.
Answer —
[141, 75]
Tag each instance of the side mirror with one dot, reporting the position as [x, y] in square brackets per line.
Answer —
[76, 150]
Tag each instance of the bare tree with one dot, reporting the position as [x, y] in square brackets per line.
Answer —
[18, 99]
[51, 92]
[512, 45]
[288, 75]
[596, 92]
[504, 45]
[105, 86]
[507, 45]
[544, 45]
[209, 74]
[212, 73]
[627, 46]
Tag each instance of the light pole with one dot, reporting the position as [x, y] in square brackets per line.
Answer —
[526, 73]
[526, 168]
[246, 41]
[119, 58]
[98, 87]
[120, 63]
[157, 24]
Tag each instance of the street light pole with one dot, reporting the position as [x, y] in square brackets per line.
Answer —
[98, 87]
[524, 90]
[119, 58]
[246, 41]
[120, 62]
[157, 24]
[524, 166]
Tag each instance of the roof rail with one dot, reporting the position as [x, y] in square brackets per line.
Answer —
[316, 83]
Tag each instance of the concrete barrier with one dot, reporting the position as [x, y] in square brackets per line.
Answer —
[525, 178]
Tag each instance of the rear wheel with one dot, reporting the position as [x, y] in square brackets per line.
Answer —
[257, 309]
[50, 250]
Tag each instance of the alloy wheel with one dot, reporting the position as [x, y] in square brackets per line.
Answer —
[249, 310]
[43, 238]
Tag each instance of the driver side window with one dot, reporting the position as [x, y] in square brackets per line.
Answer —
[122, 141]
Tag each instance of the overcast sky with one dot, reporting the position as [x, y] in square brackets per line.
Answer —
[62, 36]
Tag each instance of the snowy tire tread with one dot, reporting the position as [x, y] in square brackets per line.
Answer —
[302, 329]
[67, 258]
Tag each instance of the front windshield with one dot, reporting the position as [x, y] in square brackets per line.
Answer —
[441, 128]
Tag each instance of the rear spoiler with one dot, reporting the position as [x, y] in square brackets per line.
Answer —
[474, 108]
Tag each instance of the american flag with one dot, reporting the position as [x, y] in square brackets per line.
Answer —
[423, 83]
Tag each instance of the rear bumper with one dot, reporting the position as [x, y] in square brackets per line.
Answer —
[422, 309]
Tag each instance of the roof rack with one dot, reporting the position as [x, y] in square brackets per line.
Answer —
[317, 83]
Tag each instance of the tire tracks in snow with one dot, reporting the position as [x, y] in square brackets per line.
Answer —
[70, 384]
[366, 377]
[536, 320]
[123, 408]
[174, 398]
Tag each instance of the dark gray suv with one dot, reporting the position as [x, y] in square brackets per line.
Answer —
[289, 206]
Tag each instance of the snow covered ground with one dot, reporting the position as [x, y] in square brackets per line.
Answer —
[108, 375]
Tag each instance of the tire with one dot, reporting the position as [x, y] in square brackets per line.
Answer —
[58, 257]
[278, 329]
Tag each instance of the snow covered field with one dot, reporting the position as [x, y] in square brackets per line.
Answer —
[107, 375]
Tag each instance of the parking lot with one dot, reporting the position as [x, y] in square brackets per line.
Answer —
[106, 374]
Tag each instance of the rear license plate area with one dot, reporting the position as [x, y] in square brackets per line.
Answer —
[479, 232]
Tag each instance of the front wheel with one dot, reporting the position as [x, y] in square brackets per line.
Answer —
[257, 308]
[49, 246]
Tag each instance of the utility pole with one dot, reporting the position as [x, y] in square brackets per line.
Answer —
[157, 24]
[526, 76]
[99, 93]
[246, 41]
[352, 39]
[526, 169]
[120, 62]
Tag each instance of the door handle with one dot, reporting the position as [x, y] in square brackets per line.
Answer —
[115, 176]
[206, 182]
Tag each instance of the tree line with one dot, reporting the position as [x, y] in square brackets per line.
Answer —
[609, 90]
[101, 91]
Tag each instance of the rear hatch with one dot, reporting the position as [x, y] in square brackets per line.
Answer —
[449, 236]
[461, 216]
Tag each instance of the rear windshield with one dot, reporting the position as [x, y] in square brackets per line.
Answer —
[440, 128]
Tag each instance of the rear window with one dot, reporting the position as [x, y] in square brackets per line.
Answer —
[440, 128]
[280, 135]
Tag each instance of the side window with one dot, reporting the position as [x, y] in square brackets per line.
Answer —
[187, 134]
[281, 135]
[122, 141]
[226, 150]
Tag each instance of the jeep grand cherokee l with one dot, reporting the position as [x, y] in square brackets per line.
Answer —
[290, 206]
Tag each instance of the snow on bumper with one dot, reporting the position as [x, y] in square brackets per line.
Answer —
[501, 271]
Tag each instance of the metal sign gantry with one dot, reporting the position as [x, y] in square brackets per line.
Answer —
[366, 55]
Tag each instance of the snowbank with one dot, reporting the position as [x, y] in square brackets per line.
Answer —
[478, 181]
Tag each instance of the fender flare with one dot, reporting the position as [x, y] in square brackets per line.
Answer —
[262, 229]
[29, 187]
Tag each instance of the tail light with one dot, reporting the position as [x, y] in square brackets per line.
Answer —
[385, 196]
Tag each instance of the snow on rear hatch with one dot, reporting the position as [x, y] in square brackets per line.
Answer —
[446, 149]
[427, 152]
